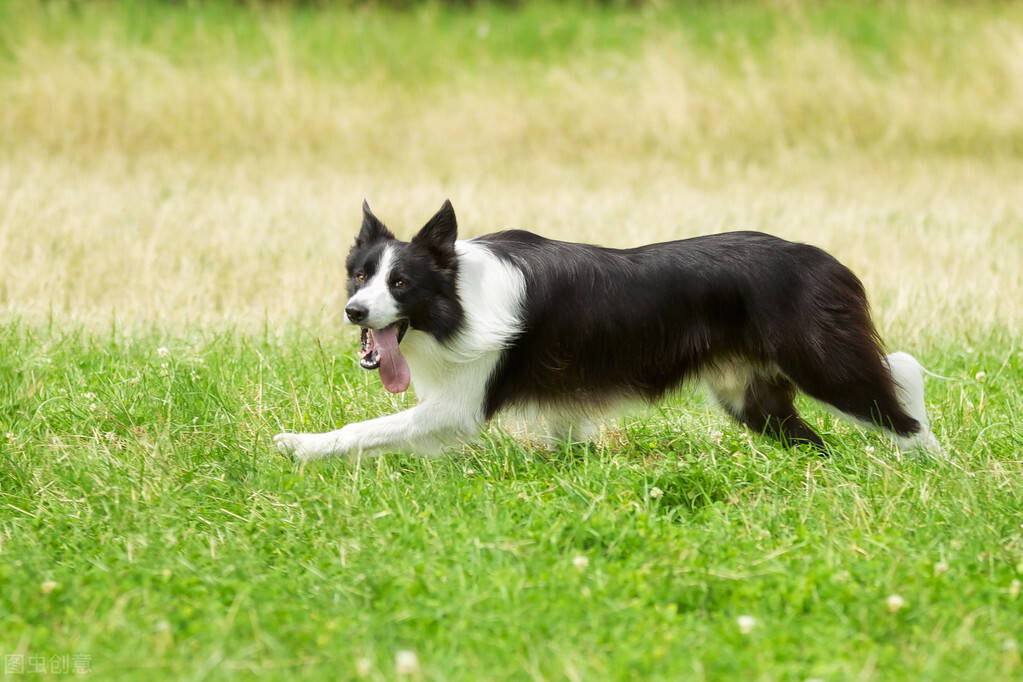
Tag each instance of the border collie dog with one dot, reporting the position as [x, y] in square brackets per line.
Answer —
[512, 320]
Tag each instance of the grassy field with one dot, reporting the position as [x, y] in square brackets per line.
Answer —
[178, 188]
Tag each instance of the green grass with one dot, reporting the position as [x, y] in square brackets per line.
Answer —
[144, 485]
[173, 174]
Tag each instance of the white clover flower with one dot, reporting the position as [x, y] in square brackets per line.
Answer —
[895, 602]
[580, 562]
[163, 351]
[656, 493]
[47, 587]
[88, 395]
[1014, 588]
[363, 667]
[717, 436]
[869, 449]
[406, 662]
[940, 567]
[980, 376]
[746, 624]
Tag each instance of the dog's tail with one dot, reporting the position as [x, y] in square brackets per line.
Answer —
[908, 375]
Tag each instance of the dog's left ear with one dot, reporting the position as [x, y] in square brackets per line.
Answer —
[439, 234]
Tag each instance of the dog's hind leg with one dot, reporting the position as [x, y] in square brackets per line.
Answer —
[885, 392]
[763, 403]
[769, 408]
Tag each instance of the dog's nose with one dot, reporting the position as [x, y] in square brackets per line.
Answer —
[356, 312]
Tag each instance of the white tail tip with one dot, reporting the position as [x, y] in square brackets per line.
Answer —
[908, 375]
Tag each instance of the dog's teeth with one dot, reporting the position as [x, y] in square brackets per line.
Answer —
[370, 359]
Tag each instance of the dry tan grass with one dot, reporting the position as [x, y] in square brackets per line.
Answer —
[138, 187]
[802, 91]
[938, 245]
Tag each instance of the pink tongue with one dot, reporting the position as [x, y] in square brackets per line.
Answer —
[394, 370]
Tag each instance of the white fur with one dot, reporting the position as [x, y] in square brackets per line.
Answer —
[450, 379]
[376, 295]
[908, 375]
[570, 425]
[492, 293]
[729, 381]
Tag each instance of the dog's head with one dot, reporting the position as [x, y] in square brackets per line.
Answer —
[395, 285]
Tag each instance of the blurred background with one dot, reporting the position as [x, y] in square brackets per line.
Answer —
[204, 162]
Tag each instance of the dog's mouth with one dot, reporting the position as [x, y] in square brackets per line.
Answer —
[380, 351]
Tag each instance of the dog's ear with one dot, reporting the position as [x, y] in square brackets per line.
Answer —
[439, 234]
[372, 229]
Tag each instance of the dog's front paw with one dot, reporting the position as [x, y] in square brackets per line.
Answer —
[299, 446]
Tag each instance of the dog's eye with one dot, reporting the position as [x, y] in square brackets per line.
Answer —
[360, 276]
[400, 283]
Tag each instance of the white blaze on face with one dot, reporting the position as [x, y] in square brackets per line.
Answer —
[376, 296]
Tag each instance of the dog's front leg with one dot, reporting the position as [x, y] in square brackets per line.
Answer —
[424, 429]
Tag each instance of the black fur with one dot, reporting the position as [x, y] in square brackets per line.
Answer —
[603, 322]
